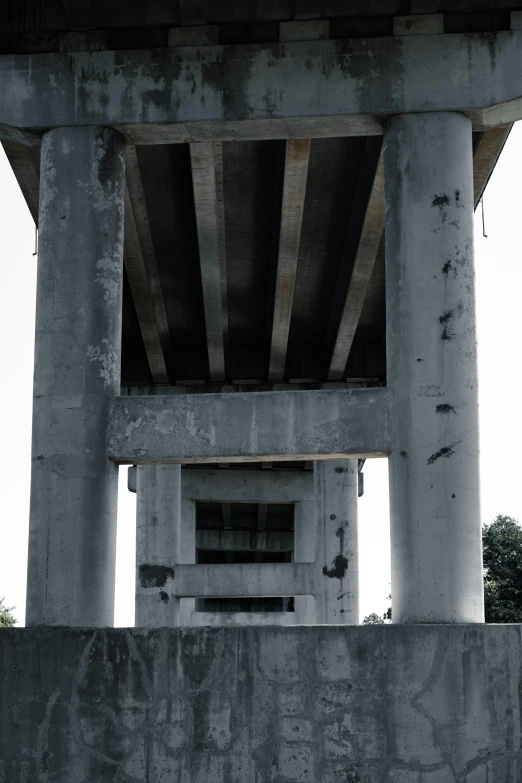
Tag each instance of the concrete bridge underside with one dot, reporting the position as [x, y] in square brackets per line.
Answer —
[256, 254]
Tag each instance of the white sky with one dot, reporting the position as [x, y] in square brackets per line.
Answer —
[499, 286]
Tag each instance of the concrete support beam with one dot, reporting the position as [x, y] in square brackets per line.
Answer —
[187, 553]
[432, 367]
[273, 425]
[84, 41]
[419, 24]
[24, 165]
[485, 158]
[317, 87]
[227, 515]
[516, 20]
[336, 560]
[369, 243]
[72, 532]
[158, 536]
[207, 178]
[245, 540]
[200, 35]
[142, 272]
[242, 619]
[294, 191]
[141, 217]
[304, 30]
[305, 545]
[241, 579]
[247, 486]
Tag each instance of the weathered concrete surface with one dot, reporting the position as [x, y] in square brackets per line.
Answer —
[417, 704]
[337, 555]
[432, 368]
[239, 579]
[290, 89]
[158, 536]
[248, 427]
[242, 618]
[247, 486]
[245, 540]
[72, 532]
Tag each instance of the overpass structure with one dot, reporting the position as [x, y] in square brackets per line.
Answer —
[255, 267]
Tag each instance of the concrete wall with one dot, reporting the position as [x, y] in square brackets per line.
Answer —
[410, 704]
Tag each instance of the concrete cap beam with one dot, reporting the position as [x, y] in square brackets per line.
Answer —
[249, 427]
[320, 88]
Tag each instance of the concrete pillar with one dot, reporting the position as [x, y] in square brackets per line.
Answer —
[72, 533]
[187, 553]
[432, 367]
[337, 567]
[158, 520]
[305, 533]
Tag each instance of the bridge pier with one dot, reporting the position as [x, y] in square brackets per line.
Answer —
[325, 535]
[74, 486]
[432, 369]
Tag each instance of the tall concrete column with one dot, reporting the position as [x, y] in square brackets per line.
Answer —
[305, 537]
[158, 521]
[337, 567]
[187, 553]
[72, 533]
[432, 367]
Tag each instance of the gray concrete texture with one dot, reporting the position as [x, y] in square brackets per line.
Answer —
[337, 557]
[158, 540]
[299, 89]
[72, 533]
[430, 704]
[432, 369]
[247, 427]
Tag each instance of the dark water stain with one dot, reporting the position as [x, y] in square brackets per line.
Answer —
[445, 451]
[445, 408]
[155, 575]
[446, 316]
[340, 566]
[164, 596]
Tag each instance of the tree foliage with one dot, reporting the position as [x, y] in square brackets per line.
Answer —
[373, 619]
[7, 619]
[502, 549]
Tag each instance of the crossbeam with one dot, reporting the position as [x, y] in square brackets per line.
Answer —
[277, 90]
[245, 540]
[247, 486]
[242, 580]
[227, 619]
[215, 428]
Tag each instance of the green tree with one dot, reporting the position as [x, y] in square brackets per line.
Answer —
[373, 619]
[502, 547]
[7, 619]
